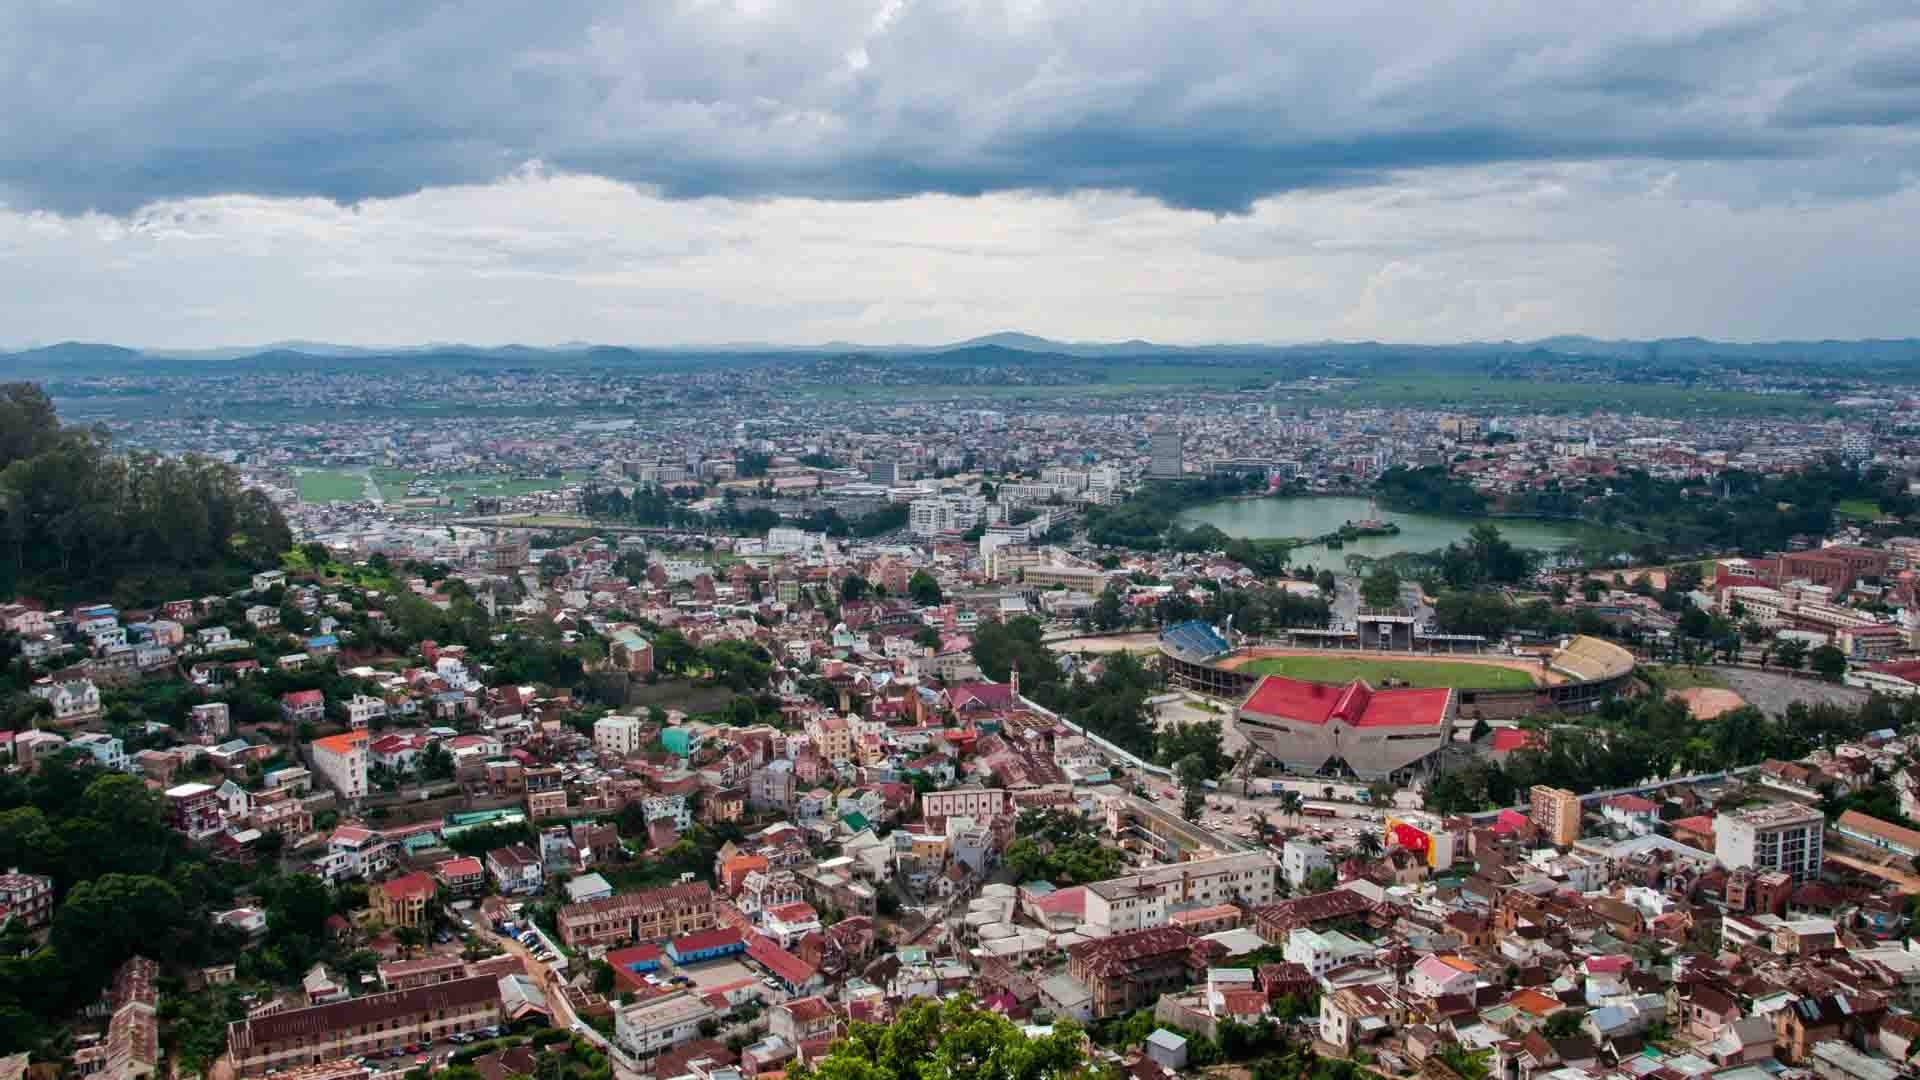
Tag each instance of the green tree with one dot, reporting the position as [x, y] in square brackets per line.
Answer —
[1829, 662]
[106, 920]
[923, 589]
[1563, 1024]
[1381, 588]
[953, 1040]
[1201, 738]
[1790, 653]
[854, 587]
[1191, 771]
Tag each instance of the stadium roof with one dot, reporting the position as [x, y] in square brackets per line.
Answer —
[1593, 660]
[1355, 705]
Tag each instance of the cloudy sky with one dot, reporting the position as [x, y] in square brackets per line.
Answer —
[676, 171]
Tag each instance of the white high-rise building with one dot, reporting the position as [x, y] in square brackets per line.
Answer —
[944, 513]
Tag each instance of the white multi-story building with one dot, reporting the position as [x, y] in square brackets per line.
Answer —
[363, 710]
[978, 803]
[1250, 877]
[944, 513]
[1299, 858]
[1124, 905]
[646, 1028]
[341, 760]
[1321, 952]
[1779, 836]
[73, 700]
[617, 735]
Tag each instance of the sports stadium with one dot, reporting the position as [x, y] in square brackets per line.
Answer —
[1381, 714]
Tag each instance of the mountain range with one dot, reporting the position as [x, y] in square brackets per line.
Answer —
[75, 358]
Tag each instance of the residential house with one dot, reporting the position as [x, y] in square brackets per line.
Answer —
[405, 901]
[516, 870]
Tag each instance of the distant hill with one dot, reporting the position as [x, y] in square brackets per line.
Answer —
[1005, 348]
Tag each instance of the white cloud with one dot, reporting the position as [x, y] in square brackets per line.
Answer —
[539, 257]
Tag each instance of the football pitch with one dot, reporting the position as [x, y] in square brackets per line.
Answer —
[1460, 675]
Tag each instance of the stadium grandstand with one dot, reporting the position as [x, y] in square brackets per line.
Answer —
[1197, 641]
[1191, 652]
[1378, 731]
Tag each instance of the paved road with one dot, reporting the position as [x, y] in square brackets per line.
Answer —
[550, 982]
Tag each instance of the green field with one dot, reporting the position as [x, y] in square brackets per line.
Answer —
[331, 485]
[1865, 509]
[1345, 669]
[348, 485]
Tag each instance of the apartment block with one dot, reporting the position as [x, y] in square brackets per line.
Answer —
[1785, 837]
[1556, 813]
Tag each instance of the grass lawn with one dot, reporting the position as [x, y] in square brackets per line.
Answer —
[1866, 509]
[1343, 669]
[1680, 678]
[330, 485]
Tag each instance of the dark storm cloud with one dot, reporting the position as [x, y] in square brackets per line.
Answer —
[112, 106]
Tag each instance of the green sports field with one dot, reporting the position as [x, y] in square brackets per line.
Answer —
[1866, 509]
[331, 485]
[1345, 669]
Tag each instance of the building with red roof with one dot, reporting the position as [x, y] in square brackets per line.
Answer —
[1377, 734]
[706, 945]
[794, 973]
[404, 900]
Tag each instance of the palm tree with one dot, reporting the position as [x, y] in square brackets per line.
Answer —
[1370, 845]
[1291, 804]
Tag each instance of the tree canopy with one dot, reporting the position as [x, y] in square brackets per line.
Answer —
[79, 520]
[953, 1040]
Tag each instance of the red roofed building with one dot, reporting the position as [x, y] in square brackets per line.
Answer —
[404, 900]
[801, 1019]
[464, 876]
[303, 706]
[1637, 814]
[795, 973]
[980, 697]
[791, 922]
[1127, 971]
[1379, 734]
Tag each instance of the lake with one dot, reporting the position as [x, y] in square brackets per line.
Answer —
[1317, 515]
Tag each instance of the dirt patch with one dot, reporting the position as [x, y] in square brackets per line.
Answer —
[1705, 702]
